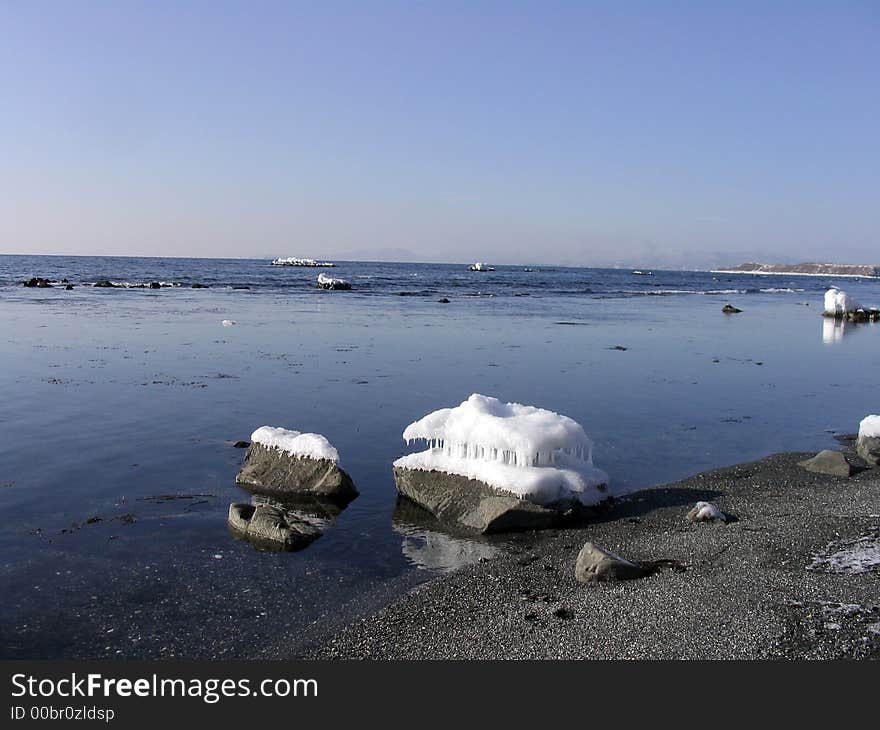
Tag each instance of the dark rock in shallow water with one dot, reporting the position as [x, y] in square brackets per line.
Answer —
[104, 284]
[828, 462]
[69, 287]
[241, 444]
[444, 300]
[38, 282]
[155, 285]
[269, 470]
[470, 503]
[869, 449]
[730, 309]
[269, 527]
[595, 563]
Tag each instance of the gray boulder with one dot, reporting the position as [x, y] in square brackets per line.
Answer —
[271, 528]
[595, 563]
[472, 504]
[828, 462]
[869, 449]
[730, 309]
[268, 470]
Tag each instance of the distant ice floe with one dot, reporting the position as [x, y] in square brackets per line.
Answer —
[295, 261]
[309, 445]
[533, 453]
[228, 322]
[869, 427]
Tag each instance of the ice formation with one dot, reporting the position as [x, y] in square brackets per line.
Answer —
[328, 282]
[838, 303]
[533, 453]
[869, 427]
[228, 322]
[310, 445]
[295, 261]
[705, 512]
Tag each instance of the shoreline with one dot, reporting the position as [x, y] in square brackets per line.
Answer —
[743, 590]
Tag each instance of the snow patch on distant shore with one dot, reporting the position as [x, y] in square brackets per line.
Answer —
[309, 445]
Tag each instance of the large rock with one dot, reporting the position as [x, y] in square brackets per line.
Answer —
[470, 503]
[595, 563]
[869, 449]
[269, 470]
[828, 462]
[269, 527]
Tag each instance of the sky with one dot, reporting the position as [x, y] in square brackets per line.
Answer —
[680, 134]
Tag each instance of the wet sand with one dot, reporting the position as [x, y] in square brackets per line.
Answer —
[743, 591]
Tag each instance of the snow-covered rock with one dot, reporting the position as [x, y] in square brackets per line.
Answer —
[485, 448]
[869, 439]
[280, 461]
[705, 512]
[328, 282]
[838, 303]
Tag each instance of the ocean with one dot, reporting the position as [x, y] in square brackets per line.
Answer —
[119, 407]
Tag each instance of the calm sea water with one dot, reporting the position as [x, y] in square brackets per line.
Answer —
[119, 405]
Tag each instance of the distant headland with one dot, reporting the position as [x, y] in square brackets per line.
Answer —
[809, 269]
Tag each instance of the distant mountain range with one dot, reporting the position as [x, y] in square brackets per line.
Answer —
[811, 269]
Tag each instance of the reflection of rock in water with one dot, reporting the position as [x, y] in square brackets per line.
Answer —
[833, 330]
[427, 548]
[270, 524]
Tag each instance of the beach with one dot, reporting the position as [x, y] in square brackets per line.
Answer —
[743, 590]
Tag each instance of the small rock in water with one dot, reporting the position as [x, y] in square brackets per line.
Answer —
[38, 282]
[69, 287]
[595, 563]
[269, 527]
[705, 512]
[241, 444]
[730, 309]
[828, 462]
[444, 300]
[228, 322]
[199, 286]
[104, 284]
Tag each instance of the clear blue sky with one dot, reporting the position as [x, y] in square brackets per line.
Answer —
[570, 132]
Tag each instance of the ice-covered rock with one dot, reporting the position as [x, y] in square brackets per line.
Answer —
[280, 461]
[705, 512]
[868, 446]
[328, 282]
[521, 457]
[595, 563]
[839, 304]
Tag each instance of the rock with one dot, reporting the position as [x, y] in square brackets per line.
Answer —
[328, 282]
[472, 504]
[268, 470]
[596, 563]
[705, 512]
[69, 287]
[270, 527]
[869, 449]
[444, 300]
[155, 285]
[200, 286]
[828, 462]
[39, 282]
[104, 284]
[730, 309]
[241, 444]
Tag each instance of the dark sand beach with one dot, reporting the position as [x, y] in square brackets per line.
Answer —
[741, 590]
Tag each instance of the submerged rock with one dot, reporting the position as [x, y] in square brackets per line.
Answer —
[471, 503]
[595, 563]
[730, 309]
[241, 444]
[270, 470]
[269, 527]
[828, 462]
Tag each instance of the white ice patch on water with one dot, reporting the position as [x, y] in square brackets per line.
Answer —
[325, 280]
[533, 453]
[310, 445]
[228, 322]
[838, 302]
[869, 427]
